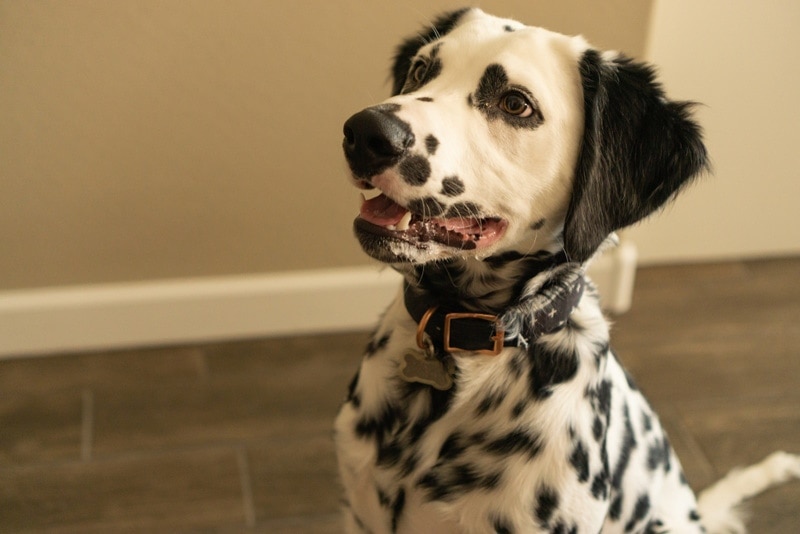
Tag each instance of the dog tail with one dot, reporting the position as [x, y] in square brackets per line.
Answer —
[719, 505]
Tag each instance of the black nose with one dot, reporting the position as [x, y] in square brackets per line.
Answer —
[375, 139]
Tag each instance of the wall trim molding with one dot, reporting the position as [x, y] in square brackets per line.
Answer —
[44, 321]
[107, 316]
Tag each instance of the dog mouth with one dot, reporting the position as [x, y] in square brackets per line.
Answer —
[383, 217]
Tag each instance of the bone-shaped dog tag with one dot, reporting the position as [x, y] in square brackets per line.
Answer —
[421, 367]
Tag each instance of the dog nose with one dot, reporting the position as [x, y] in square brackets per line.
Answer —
[375, 139]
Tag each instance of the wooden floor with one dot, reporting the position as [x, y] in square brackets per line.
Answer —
[236, 437]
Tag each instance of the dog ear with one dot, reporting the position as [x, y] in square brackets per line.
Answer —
[639, 150]
[409, 47]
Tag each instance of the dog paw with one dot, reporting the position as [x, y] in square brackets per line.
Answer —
[782, 466]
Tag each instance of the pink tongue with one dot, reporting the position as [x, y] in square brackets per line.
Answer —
[382, 211]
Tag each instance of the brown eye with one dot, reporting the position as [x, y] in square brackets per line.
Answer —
[515, 103]
[418, 71]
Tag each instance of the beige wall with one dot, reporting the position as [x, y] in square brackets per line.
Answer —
[159, 139]
[741, 59]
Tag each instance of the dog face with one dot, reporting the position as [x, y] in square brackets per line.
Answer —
[502, 137]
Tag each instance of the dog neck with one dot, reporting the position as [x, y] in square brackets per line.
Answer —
[522, 297]
[451, 306]
[491, 285]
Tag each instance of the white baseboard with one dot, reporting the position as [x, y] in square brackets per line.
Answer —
[95, 317]
[109, 316]
[614, 273]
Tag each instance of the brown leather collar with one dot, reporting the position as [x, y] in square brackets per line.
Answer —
[453, 329]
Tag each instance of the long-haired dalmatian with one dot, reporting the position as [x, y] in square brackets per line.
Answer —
[488, 399]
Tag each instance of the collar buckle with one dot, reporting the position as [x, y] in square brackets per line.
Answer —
[498, 337]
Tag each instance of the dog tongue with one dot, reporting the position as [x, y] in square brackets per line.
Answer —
[382, 211]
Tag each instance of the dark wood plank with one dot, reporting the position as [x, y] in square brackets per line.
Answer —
[39, 428]
[155, 418]
[166, 365]
[295, 478]
[187, 490]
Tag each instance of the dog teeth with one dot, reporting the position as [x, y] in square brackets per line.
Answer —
[404, 223]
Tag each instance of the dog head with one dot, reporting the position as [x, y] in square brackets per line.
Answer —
[501, 137]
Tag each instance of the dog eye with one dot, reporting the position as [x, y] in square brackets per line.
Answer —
[515, 103]
[418, 71]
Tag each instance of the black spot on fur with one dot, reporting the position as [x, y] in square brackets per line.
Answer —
[451, 480]
[516, 441]
[615, 510]
[647, 421]
[425, 99]
[658, 454]
[518, 408]
[492, 83]
[580, 461]
[489, 403]
[431, 144]
[397, 508]
[640, 511]
[358, 521]
[426, 207]
[438, 405]
[415, 170]
[561, 528]
[515, 366]
[501, 526]
[597, 429]
[546, 504]
[352, 396]
[694, 515]
[667, 455]
[628, 443]
[600, 486]
[601, 397]
[376, 345]
[538, 225]
[453, 447]
[389, 454]
[508, 28]
[409, 464]
[373, 426]
[452, 186]
[383, 498]
[549, 368]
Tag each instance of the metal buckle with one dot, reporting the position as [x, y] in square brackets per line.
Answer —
[498, 337]
[421, 328]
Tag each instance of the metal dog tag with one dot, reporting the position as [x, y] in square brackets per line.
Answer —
[424, 367]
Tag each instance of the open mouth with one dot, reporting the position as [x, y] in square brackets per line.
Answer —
[384, 217]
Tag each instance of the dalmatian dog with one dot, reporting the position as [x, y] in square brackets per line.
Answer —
[488, 398]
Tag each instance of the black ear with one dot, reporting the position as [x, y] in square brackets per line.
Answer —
[639, 150]
[409, 47]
